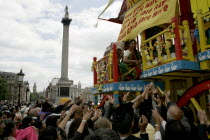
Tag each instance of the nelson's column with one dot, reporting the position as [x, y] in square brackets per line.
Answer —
[64, 83]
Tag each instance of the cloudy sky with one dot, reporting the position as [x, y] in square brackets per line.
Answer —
[31, 38]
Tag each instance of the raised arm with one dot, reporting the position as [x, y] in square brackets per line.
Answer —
[86, 117]
[109, 109]
[143, 121]
[157, 120]
[67, 117]
[202, 126]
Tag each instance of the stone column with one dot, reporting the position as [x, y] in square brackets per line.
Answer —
[65, 46]
[64, 84]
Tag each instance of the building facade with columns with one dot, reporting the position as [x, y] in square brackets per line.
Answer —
[13, 87]
[87, 94]
[52, 91]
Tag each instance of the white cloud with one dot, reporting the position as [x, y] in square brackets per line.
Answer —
[31, 38]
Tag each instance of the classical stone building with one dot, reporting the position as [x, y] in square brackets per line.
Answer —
[52, 90]
[14, 88]
[87, 94]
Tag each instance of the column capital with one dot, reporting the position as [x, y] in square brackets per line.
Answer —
[66, 21]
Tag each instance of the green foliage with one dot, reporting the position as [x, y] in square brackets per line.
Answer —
[41, 97]
[3, 89]
[34, 97]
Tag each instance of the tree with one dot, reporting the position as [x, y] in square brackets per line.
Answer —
[34, 97]
[42, 97]
[3, 89]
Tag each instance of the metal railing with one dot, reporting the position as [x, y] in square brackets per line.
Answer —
[162, 48]
[201, 28]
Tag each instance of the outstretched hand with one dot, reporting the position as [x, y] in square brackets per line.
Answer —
[125, 97]
[156, 98]
[143, 121]
[111, 99]
[202, 117]
[96, 114]
[147, 88]
[151, 85]
[78, 101]
[167, 95]
[73, 109]
[87, 115]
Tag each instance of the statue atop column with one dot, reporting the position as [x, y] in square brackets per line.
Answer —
[66, 20]
[66, 12]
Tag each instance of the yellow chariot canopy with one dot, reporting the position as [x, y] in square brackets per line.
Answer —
[63, 100]
[199, 4]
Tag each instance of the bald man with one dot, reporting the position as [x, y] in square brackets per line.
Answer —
[33, 113]
[174, 113]
[177, 114]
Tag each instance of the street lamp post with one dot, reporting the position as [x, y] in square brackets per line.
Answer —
[27, 90]
[20, 80]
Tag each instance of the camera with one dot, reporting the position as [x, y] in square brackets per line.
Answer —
[156, 95]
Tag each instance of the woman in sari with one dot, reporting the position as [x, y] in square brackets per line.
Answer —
[130, 66]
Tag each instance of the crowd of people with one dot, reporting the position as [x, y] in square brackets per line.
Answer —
[148, 116]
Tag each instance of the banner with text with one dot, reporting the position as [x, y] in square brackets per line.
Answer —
[146, 14]
[130, 3]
